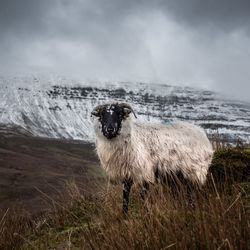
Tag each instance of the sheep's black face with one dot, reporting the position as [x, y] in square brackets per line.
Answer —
[110, 117]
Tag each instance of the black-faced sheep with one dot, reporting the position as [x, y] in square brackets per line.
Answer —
[132, 152]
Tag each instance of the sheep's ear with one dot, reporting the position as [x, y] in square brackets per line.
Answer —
[127, 107]
[96, 110]
[127, 114]
[95, 113]
[127, 111]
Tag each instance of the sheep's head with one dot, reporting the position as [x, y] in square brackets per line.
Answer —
[111, 117]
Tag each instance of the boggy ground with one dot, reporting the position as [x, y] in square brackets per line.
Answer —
[35, 170]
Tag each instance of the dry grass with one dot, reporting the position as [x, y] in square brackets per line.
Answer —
[166, 221]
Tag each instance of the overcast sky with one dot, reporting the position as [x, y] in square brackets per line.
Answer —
[181, 42]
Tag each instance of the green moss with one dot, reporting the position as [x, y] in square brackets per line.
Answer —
[231, 164]
[62, 225]
[247, 150]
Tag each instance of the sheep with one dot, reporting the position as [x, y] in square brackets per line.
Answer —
[132, 152]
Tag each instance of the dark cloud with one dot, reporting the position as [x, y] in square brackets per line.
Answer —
[198, 43]
[224, 15]
[23, 16]
[33, 14]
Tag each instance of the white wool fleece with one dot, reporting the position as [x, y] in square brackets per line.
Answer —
[141, 148]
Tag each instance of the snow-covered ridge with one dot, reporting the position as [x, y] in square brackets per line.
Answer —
[60, 108]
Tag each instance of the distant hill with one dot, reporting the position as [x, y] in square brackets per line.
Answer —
[56, 107]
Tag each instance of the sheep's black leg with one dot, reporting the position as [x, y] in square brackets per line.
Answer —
[188, 187]
[126, 190]
[160, 178]
[190, 197]
[156, 176]
[143, 189]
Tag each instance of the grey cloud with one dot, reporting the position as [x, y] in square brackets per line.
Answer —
[198, 43]
[23, 16]
[33, 14]
[220, 14]
[83, 18]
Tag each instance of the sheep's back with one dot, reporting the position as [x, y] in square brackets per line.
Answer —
[178, 146]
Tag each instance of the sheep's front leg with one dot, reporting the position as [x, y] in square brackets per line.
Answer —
[126, 190]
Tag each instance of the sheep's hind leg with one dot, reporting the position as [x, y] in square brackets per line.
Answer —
[190, 197]
[178, 183]
[126, 190]
[192, 191]
[143, 190]
[189, 187]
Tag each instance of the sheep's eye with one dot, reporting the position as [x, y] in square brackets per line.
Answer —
[121, 115]
[102, 113]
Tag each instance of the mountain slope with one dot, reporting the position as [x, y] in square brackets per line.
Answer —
[34, 170]
[60, 108]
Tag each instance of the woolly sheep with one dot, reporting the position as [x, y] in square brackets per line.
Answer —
[132, 152]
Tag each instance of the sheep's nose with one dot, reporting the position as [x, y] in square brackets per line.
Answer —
[110, 129]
